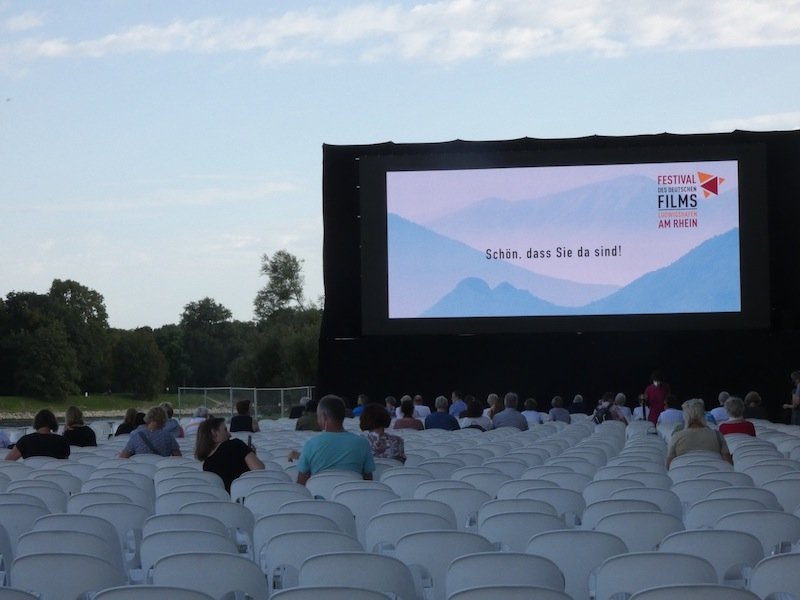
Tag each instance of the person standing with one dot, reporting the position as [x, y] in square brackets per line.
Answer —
[655, 396]
[794, 405]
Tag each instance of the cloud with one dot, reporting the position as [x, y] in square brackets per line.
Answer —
[23, 22]
[770, 122]
[449, 31]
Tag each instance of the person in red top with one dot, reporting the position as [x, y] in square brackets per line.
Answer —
[655, 396]
[736, 424]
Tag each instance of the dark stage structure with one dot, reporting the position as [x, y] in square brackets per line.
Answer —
[363, 348]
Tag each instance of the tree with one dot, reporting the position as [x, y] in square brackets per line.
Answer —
[284, 285]
[47, 365]
[170, 341]
[209, 340]
[139, 365]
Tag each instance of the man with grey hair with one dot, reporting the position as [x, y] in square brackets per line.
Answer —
[334, 449]
[510, 416]
[441, 419]
[719, 413]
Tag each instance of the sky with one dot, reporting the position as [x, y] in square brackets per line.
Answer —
[154, 151]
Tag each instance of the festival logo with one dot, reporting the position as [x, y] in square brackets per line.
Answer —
[709, 183]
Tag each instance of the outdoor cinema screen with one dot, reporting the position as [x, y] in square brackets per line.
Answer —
[560, 245]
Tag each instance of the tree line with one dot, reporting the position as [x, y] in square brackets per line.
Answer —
[60, 343]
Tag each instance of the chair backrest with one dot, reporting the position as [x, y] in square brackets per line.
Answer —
[66, 481]
[641, 531]
[404, 484]
[164, 543]
[496, 507]
[173, 501]
[650, 480]
[243, 485]
[149, 592]
[509, 592]
[776, 574]
[53, 497]
[512, 531]
[269, 526]
[22, 498]
[603, 488]
[666, 500]
[502, 568]
[183, 520]
[576, 552]
[597, 510]
[465, 503]
[384, 529]
[328, 592]
[511, 488]
[214, 573]
[727, 551]
[636, 571]
[77, 501]
[321, 484]
[284, 553]
[363, 569]
[64, 575]
[16, 519]
[786, 491]
[424, 505]
[433, 551]
[569, 503]
[72, 522]
[70, 542]
[705, 513]
[267, 501]
[441, 468]
[697, 591]
[364, 504]
[7, 593]
[127, 519]
[335, 511]
[772, 528]
[696, 489]
[569, 481]
[766, 497]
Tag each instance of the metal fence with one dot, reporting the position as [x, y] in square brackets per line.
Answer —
[266, 403]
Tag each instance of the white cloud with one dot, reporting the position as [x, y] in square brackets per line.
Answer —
[23, 22]
[451, 31]
[770, 122]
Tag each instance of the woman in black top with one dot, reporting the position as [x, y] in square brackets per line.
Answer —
[42, 442]
[242, 421]
[76, 431]
[227, 457]
[128, 424]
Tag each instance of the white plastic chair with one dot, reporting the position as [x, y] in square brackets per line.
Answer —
[705, 513]
[321, 484]
[7, 593]
[511, 488]
[242, 485]
[64, 575]
[602, 489]
[513, 467]
[67, 482]
[597, 510]
[370, 571]
[149, 592]
[128, 520]
[70, 542]
[569, 481]
[666, 500]
[729, 552]
[429, 553]
[22, 498]
[54, 497]
[512, 531]
[766, 497]
[335, 511]
[404, 484]
[772, 528]
[569, 503]
[269, 526]
[502, 568]
[776, 575]
[284, 553]
[425, 487]
[642, 531]
[577, 553]
[77, 501]
[441, 468]
[650, 480]
[364, 504]
[786, 491]
[328, 593]
[733, 477]
[696, 489]
[237, 518]
[697, 591]
[465, 504]
[214, 573]
[384, 529]
[495, 507]
[636, 571]
[173, 501]
[509, 592]
[264, 502]
[164, 543]
[16, 519]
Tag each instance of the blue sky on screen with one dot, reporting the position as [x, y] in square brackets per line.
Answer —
[154, 150]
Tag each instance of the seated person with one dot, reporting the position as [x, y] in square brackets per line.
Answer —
[200, 415]
[672, 414]
[533, 416]
[308, 422]
[510, 416]
[752, 406]
[473, 417]
[242, 420]
[76, 431]
[736, 423]
[558, 412]
[128, 423]
[696, 435]
[719, 413]
[44, 441]
[407, 421]
[440, 418]
[374, 420]
[227, 457]
[152, 437]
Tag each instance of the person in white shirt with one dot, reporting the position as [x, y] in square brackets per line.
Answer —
[533, 416]
[719, 413]
[619, 402]
[673, 414]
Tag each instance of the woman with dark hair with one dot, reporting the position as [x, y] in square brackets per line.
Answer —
[242, 421]
[407, 421]
[221, 454]
[308, 421]
[473, 416]
[152, 437]
[76, 431]
[42, 442]
[374, 420]
[128, 423]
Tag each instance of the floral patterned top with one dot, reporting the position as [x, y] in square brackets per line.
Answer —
[386, 445]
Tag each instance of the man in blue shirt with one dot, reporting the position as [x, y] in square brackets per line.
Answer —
[441, 419]
[458, 405]
[334, 448]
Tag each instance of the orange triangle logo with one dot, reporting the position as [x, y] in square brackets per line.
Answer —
[710, 183]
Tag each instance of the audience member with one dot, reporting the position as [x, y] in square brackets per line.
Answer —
[390, 403]
[794, 405]
[641, 412]
[718, 412]
[458, 406]
[533, 416]
[200, 416]
[578, 406]
[607, 410]
[171, 425]
[334, 448]
[558, 412]
[510, 416]
[76, 431]
[243, 420]
[696, 435]
[620, 401]
[753, 408]
[309, 421]
[735, 422]
[296, 411]
[5, 441]
[421, 409]
[440, 418]
[361, 402]
[473, 417]
[407, 421]
[374, 420]
[495, 406]
[673, 414]
[152, 437]
[656, 394]
[221, 454]
[44, 441]
[128, 423]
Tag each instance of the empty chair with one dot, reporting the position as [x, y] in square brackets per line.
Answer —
[329, 592]
[22, 498]
[429, 553]
[688, 472]
[15, 470]
[569, 503]
[776, 575]
[696, 489]
[54, 497]
[666, 500]
[128, 520]
[16, 519]
[70, 542]
[502, 568]
[335, 511]
[64, 575]
[732, 477]
[597, 510]
[242, 485]
[786, 491]
[174, 521]
[67, 482]
[424, 487]
[77, 501]
[7, 593]
[641, 531]
[269, 526]
[149, 592]
[603, 488]
[465, 504]
[284, 553]
[164, 543]
[697, 591]
[511, 488]
[766, 497]
[509, 592]
[576, 552]
[321, 484]
[237, 518]
[569, 481]
[265, 502]
[495, 507]
[370, 571]
[650, 480]
[636, 571]
[441, 468]
[420, 505]
[705, 513]
[772, 528]
[364, 504]
[172, 501]
[513, 467]
[384, 529]
[764, 473]
[214, 573]
[404, 484]
[513, 531]
[729, 552]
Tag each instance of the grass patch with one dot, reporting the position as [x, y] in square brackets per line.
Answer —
[99, 402]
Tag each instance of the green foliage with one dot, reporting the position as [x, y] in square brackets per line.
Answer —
[210, 342]
[284, 286]
[139, 365]
[170, 341]
[47, 366]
